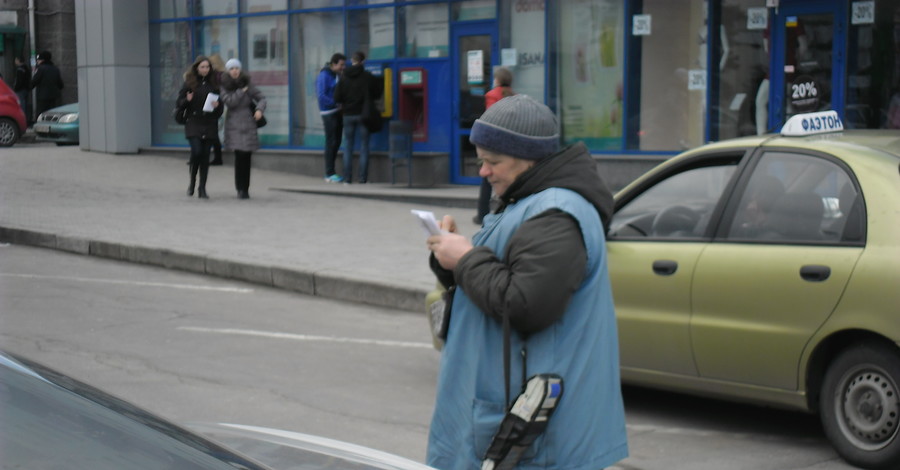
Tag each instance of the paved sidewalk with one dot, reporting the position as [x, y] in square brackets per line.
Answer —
[296, 232]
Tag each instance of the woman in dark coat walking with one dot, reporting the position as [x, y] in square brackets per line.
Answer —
[202, 127]
[239, 94]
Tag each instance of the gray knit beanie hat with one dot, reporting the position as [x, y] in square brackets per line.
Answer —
[517, 126]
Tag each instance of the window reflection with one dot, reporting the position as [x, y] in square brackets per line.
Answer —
[470, 10]
[743, 66]
[591, 69]
[162, 10]
[316, 3]
[267, 62]
[372, 32]
[316, 33]
[218, 40]
[424, 31]
[170, 45]
[258, 6]
[215, 7]
[672, 85]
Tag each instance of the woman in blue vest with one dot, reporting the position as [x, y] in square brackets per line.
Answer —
[540, 259]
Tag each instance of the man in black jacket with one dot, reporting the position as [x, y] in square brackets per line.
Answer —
[354, 92]
[48, 82]
[22, 85]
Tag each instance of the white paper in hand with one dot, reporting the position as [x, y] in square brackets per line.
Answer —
[429, 224]
[210, 99]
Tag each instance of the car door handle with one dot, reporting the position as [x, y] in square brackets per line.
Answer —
[665, 267]
[815, 272]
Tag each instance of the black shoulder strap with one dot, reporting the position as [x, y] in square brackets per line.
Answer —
[507, 347]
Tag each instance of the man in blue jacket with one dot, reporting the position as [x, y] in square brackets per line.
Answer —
[331, 112]
[535, 275]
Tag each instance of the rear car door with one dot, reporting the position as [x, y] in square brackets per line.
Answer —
[776, 270]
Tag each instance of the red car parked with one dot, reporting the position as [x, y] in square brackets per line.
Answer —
[12, 119]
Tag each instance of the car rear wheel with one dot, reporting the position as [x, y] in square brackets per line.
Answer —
[9, 132]
[860, 406]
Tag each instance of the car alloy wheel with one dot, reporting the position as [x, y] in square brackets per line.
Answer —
[9, 132]
[860, 406]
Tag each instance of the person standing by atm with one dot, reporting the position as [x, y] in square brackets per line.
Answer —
[330, 111]
[355, 88]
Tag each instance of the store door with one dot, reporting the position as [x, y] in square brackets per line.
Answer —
[807, 59]
[474, 51]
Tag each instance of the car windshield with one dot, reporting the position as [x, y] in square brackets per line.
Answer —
[50, 426]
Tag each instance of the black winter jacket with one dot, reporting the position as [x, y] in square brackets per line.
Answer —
[200, 123]
[47, 81]
[550, 244]
[351, 89]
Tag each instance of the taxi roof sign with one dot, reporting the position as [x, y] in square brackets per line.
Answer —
[812, 123]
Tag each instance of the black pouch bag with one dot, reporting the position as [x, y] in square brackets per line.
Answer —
[439, 312]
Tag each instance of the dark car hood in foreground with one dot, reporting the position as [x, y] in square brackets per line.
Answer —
[50, 420]
[285, 449]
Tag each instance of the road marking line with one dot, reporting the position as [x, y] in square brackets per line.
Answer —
[238, 290]
[296, 337]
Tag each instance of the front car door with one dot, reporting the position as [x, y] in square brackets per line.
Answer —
[655, 240]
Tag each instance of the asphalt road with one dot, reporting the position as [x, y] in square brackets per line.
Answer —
[199, 349]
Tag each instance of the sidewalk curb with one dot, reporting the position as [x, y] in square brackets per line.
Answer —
[323, 284]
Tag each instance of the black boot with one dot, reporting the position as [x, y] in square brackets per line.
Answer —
[201, 190]
[190, 190]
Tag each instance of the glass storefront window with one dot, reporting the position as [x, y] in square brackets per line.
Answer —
[469, 10]
[266, 51]
[170, 46]
[424, 31]
[372, 32]
[215, 7]
[218, 40]
[590, 72]
[741, 59]
[873, 70]
[263, 6]
[671, 86]
[316, 3]
[164, 10]
[524, 25]
[316, 38]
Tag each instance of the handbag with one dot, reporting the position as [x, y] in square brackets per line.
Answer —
[262, 121]
[180, 113]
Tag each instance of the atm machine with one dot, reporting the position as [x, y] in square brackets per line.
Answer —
[413, 101]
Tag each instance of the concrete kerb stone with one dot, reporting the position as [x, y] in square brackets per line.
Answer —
[330, 285]
[18, 236]
[241, 271]
[337, 286]
[294, 280]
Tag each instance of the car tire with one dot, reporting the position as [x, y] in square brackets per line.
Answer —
[9, 132]
[860, 406]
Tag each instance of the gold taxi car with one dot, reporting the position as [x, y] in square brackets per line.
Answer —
[766, 269]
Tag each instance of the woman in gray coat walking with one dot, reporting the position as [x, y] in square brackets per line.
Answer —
[239, 95]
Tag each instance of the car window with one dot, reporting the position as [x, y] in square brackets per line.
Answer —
[794, 198]
[678, 207]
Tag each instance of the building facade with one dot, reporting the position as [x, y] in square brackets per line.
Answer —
[53, 23]
[636, 80]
